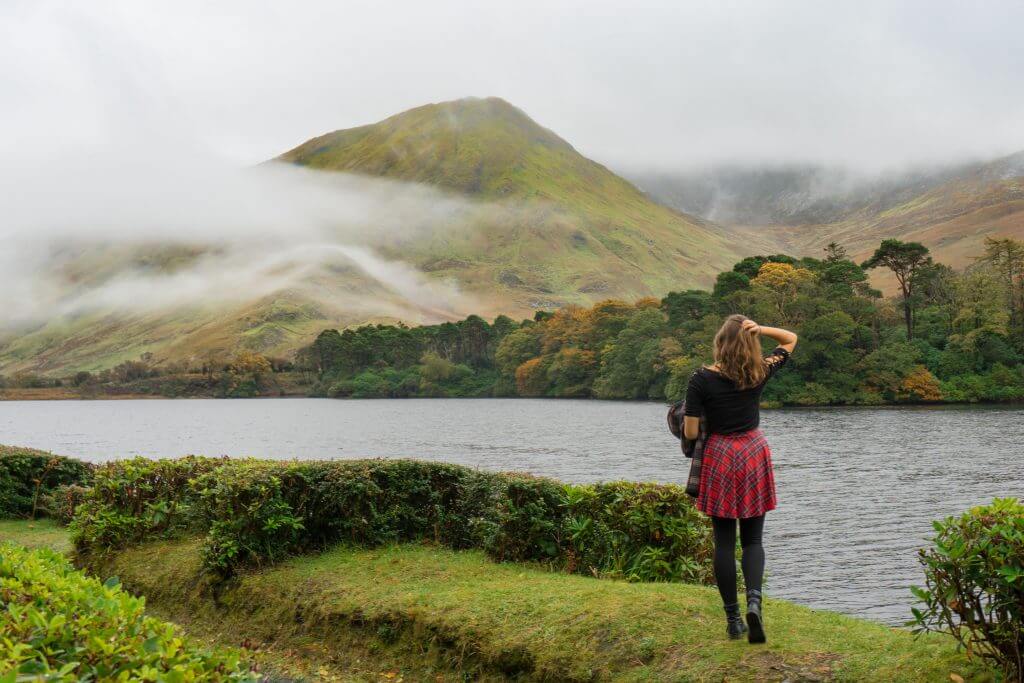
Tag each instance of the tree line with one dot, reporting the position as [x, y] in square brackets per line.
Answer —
[242, 375]
[953, 336]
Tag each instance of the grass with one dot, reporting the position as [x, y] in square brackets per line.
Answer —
[42, 533]
[423, 613]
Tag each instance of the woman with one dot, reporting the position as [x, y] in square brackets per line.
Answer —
[736, 481]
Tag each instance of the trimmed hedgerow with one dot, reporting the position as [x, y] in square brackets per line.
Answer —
[640, 531]
[61, 625]
[131, 500]
[974, 578]
[256, 512]
[27, 476]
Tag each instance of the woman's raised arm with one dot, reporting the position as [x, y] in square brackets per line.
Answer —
[785, 338]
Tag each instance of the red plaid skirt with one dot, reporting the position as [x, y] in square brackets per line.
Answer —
[736, 480]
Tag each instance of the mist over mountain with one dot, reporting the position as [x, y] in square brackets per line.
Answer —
[577, 230]
[793, 194]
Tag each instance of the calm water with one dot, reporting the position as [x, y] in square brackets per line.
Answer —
[858, 488]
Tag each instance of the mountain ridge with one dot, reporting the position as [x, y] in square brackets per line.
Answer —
[602, 231]
[800, 209]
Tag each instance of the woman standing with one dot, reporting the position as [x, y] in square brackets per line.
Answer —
[736, 481]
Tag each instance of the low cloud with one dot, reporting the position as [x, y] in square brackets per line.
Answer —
[137, 233]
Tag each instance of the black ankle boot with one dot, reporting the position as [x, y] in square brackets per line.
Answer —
[754, 617]
[734, 623]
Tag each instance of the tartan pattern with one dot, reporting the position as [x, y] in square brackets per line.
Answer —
[736, 478]
[696, 466]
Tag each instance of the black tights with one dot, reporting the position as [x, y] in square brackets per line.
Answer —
[725, 555]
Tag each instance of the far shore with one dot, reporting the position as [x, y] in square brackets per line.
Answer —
[73, 394]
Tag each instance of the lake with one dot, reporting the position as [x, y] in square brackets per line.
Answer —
[858, 487]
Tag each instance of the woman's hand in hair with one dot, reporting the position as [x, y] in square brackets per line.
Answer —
[785, 338]
[751, 327]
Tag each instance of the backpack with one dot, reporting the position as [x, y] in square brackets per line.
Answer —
[691, 449]
[675, 419]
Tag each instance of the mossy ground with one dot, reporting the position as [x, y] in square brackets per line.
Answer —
[423, 613]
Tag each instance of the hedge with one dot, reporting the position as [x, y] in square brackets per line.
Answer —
[131, 500]
[62, 501]
[28, 476]
[974, 590]
[60, 625]
[256, 512]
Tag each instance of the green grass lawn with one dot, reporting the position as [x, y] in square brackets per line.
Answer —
[425, 613]
[42, 533]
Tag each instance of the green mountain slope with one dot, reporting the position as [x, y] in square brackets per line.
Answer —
[550, 226]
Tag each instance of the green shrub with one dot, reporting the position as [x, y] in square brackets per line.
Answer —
[61, 625]
[256, 512]
[974, 579]
[61, 502]
[262, 511]
[133, 499]
[529, 520]
[639, 531]
[28, 475]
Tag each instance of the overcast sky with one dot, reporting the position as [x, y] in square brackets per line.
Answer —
[630, 84]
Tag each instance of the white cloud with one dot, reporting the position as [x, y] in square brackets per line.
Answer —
[870, 83]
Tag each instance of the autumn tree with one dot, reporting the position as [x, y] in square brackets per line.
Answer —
[920, 385]
[251, 365]
[532, 377]
[780, 284]
[607, 319]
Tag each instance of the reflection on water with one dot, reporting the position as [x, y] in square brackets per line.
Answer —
[858, 488]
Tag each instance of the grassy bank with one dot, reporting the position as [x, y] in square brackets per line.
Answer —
[431, 614]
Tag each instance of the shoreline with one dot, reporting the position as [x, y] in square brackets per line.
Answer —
[50, 394]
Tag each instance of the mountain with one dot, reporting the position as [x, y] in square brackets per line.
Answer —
[527, 223]
[555, 227]
[781, 195]
[801, 209]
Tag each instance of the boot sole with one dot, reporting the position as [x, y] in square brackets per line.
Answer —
[756, 632]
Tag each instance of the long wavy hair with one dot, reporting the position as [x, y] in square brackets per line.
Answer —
[738, 353]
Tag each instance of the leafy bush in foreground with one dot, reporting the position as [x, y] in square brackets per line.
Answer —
[27, 476]
[137, 498]
[60, 625]
[975, 583]
[256, 512]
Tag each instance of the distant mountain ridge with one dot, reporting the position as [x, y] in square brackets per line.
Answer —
[802, 208]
